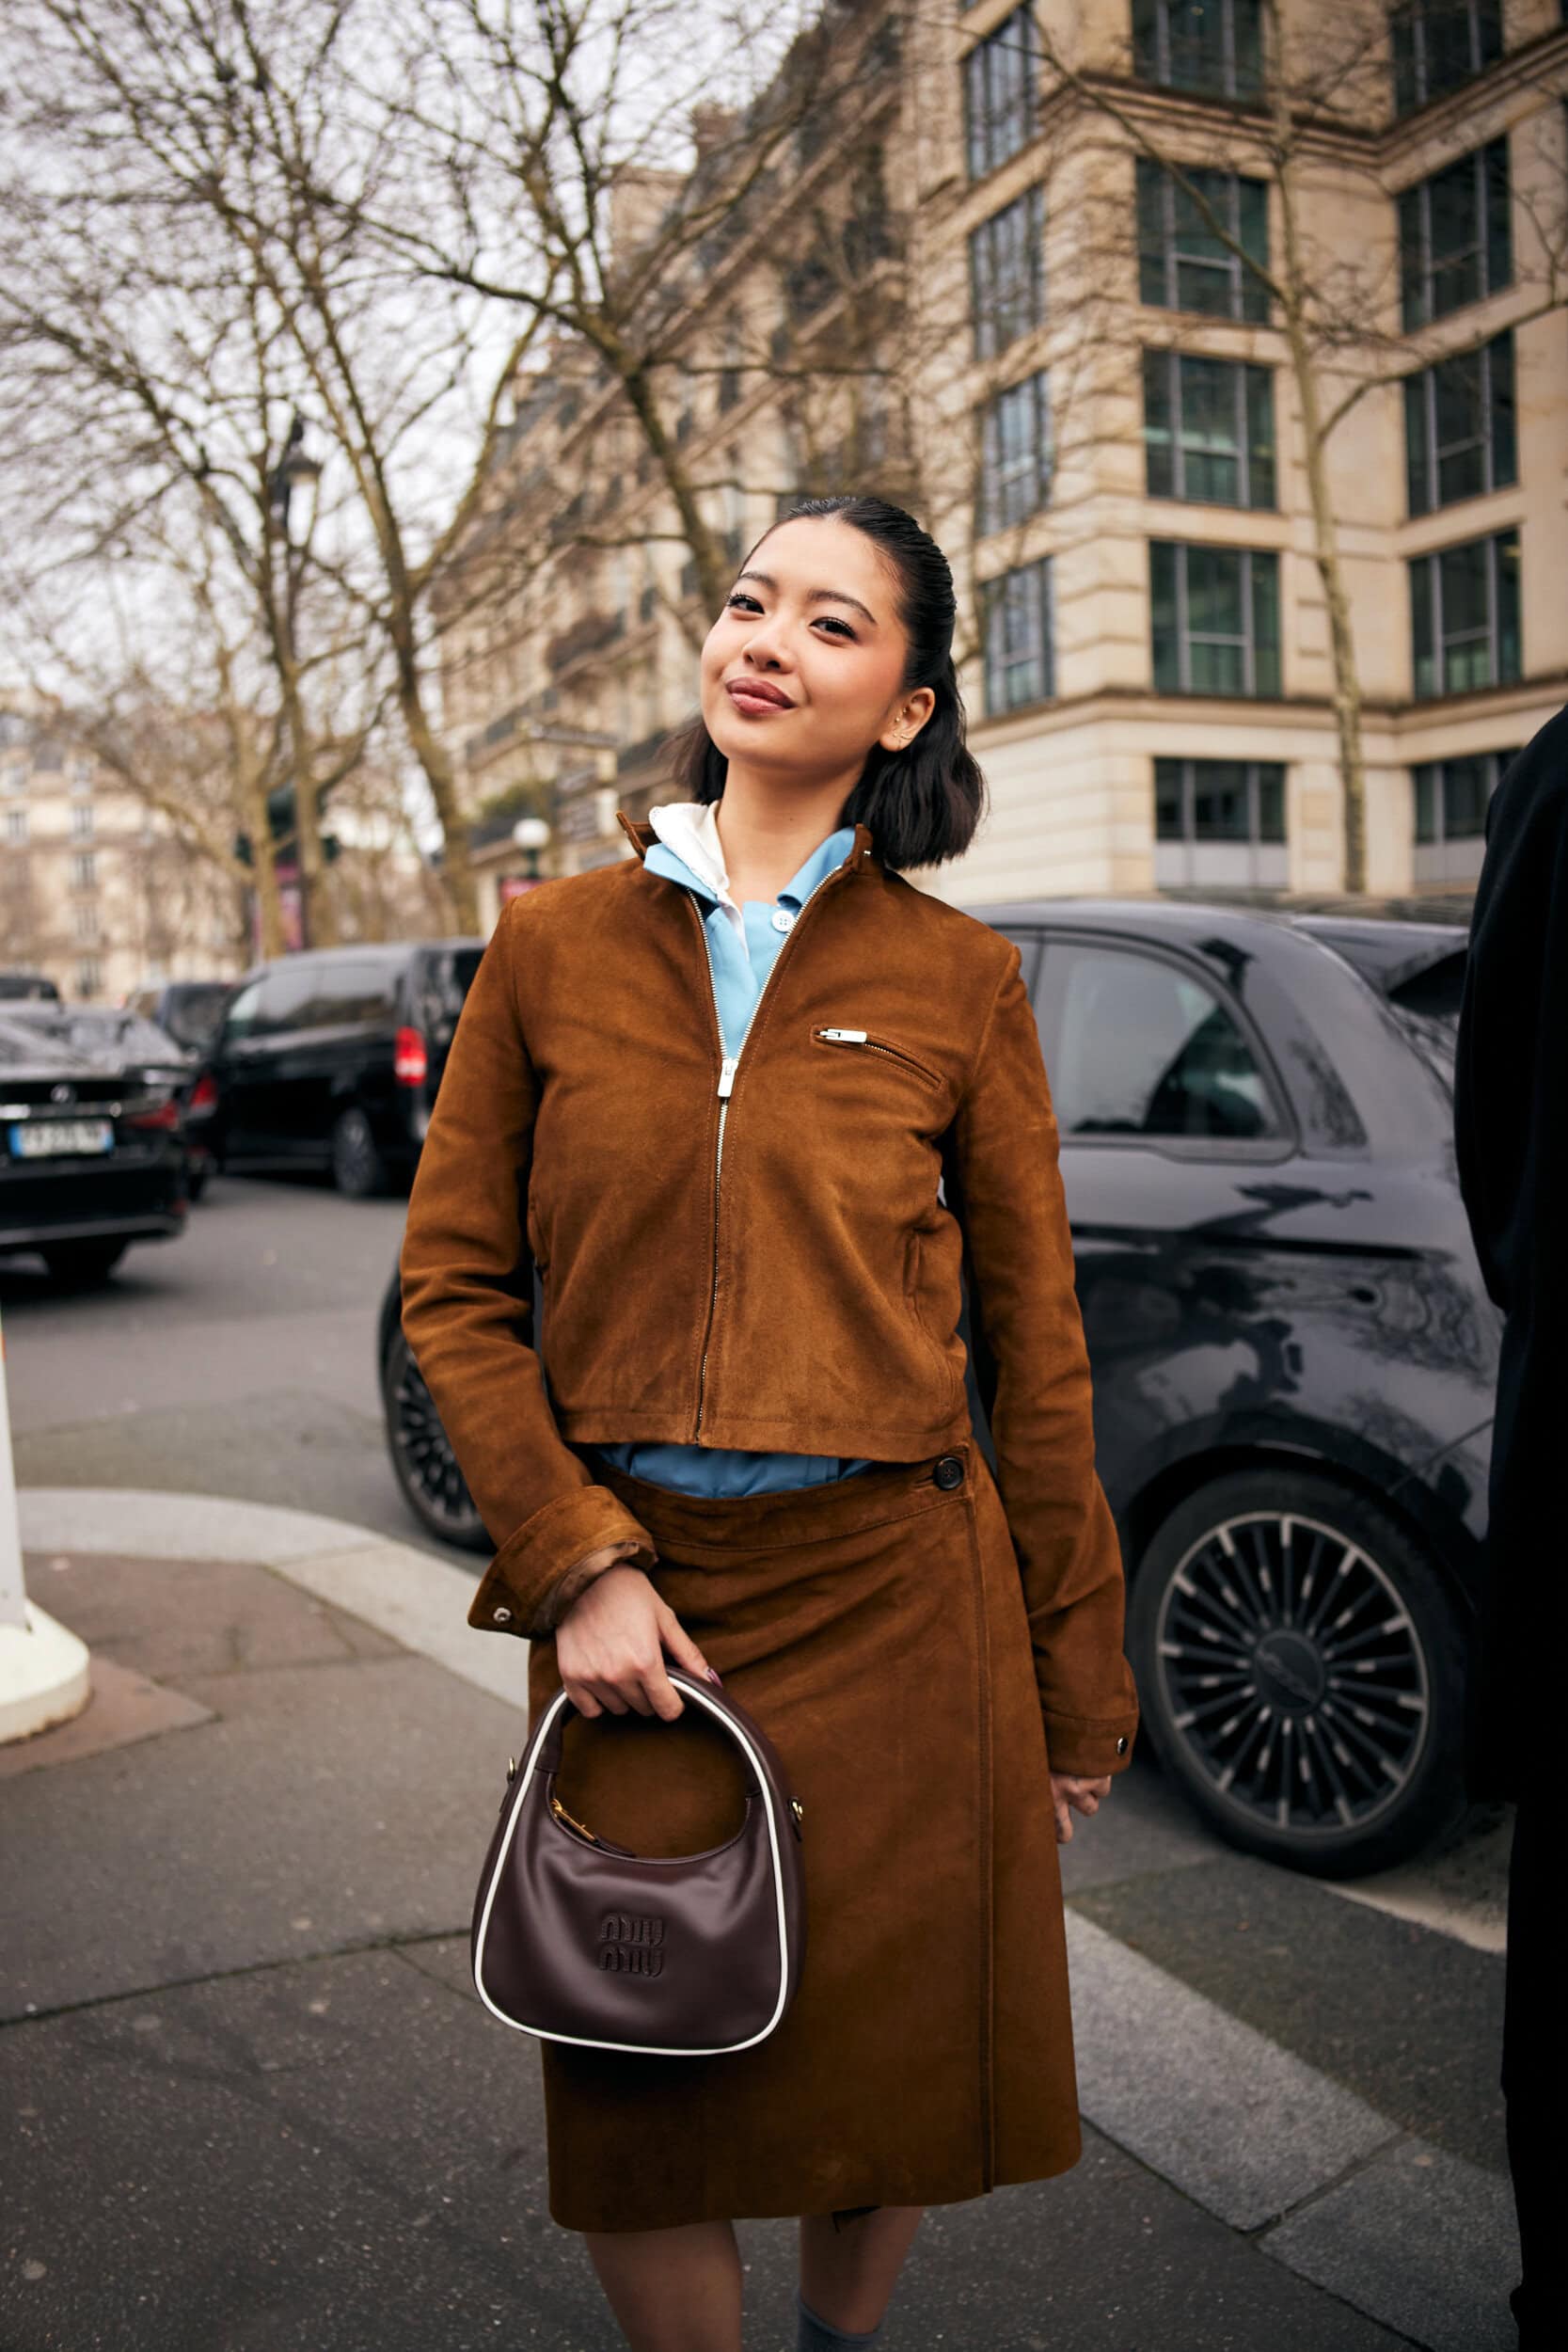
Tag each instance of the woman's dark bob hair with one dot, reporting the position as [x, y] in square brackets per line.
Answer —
[922, 806]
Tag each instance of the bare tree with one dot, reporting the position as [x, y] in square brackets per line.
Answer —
[188, 262]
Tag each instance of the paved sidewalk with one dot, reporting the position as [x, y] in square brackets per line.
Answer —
[249, 2099]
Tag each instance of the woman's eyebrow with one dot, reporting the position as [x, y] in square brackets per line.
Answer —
[816, 596]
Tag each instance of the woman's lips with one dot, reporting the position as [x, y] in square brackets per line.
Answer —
[750, 697]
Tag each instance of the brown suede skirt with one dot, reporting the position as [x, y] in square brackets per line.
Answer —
[875, 1626]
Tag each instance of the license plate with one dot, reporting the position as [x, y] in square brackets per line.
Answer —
[36, 1138]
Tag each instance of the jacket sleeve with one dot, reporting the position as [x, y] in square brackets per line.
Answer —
[1004, 1183]
[468, 1311]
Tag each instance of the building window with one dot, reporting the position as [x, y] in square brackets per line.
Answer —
[1209, 430]
[1015, 624]
[1219, 822]
[16, 827]
[1215, 46]
[1459, 426]
[81, 775]
[1214, 618]
[1000, 77]
[1464, 616]
[84, 870]
[1219, 800]
[86, 922]
[80, 823]
[89, 976]
[1451, 798]
[1441, 45]
[1007, 273]
[1183, 264]
[1015, 455]
[729, 369]
[1455, 238]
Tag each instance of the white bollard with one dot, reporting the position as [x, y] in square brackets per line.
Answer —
[45, 1672]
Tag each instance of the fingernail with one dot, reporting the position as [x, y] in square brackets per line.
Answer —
[714, 1677]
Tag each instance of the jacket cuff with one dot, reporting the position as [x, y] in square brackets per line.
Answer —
[515, 1593]
[1089, 1745]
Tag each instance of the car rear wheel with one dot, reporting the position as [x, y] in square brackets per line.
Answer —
[433, 1486]
[84, 1262]
[358, 1167]
[1299, 1662]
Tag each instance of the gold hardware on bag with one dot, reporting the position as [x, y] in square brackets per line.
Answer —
[510, 1768]
[798, 1808]
[562, 1815]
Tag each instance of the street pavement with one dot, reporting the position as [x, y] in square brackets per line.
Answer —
[248, 2096]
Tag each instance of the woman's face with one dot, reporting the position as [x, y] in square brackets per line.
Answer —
[803, 671]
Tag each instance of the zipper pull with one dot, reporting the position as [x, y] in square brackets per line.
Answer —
[843, 1037]
[726, 1076]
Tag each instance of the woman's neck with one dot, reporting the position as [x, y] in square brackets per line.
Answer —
[768, 830]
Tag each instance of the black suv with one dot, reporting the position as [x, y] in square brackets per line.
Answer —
[330, 1060]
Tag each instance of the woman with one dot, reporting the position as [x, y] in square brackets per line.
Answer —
[752, 1167]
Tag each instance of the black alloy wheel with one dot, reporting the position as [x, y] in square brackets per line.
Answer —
[358, 1169]
[422, 1458]
[1299, 1665]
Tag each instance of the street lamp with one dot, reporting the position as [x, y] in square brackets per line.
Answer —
[296, 473]
[531, 834]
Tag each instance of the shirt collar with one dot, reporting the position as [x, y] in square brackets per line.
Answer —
[690, 851]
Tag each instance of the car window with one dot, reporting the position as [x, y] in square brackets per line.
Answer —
[1139, 1047]
[240, 1020]
[439, 980]
[281, 994]
[357, 988]
[191, 1015]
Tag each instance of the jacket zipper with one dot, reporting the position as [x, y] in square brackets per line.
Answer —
[729, 1063]
[879, 1045]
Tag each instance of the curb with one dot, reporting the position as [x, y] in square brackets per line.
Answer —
[416, 1598]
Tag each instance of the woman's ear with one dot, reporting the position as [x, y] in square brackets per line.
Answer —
[907, 721]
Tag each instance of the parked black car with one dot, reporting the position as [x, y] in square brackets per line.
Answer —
[92, 1153]
[1293, 1354]
[128, 1038]
[330, 1060]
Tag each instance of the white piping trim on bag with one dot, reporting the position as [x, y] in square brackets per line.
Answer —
[642, 2049]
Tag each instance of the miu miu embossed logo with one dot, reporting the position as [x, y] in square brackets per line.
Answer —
[630, 1945]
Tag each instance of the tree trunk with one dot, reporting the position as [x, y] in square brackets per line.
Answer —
[1325, 537]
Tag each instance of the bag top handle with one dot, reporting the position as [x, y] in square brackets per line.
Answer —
[742, 1727]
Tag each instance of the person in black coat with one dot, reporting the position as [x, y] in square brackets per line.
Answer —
[1511, 1134]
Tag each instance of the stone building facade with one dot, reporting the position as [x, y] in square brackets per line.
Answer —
[1099, 409]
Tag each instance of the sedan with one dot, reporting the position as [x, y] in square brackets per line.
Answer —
[91, 1151]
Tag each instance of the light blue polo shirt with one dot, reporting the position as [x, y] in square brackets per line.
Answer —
[739, 967]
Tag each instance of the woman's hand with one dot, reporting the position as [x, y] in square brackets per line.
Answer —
[609, 1647]
[1070, 1789]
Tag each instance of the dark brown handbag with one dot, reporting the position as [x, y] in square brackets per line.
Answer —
[575, 1939]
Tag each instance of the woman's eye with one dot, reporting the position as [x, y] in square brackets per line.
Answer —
[741, 602]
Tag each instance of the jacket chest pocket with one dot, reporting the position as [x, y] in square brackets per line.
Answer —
[886, 1048]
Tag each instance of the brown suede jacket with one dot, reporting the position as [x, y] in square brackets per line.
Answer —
[786, 1280]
